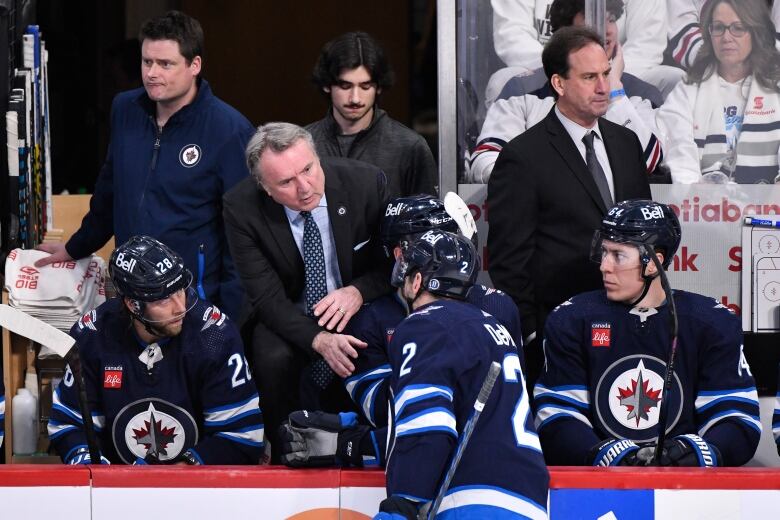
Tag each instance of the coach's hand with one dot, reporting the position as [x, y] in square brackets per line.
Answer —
[335, 310]
[336, 349]
[57, 251]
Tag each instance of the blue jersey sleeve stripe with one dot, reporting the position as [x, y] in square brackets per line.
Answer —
[416, 393]
[232, 406]
[368, 400]
[730, 399]
[381, 372]
[548, 412]
[728, 391]
[55, 431]
[563, 399]
[439, 419]
[749, 420]
[231, 420]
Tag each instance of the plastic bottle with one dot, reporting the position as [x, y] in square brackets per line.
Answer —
[25, 423]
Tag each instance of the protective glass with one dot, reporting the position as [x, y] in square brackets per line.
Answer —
[619, 255]
[737, 29]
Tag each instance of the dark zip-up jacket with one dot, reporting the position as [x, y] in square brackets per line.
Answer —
[168, 183]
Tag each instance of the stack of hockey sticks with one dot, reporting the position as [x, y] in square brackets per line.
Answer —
[28, 146]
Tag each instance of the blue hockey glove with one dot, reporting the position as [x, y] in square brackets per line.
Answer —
[684, 451]
[613, 452]
[81, 456]
[396, 508]
[316, 439]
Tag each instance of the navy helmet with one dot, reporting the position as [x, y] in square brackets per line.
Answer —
[146, 270]
[448, 262]
[651, 226]
[406, 218]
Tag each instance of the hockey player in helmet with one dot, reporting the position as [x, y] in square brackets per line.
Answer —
[599, 396]
[405, 220]
[438, 359]
[166, 377]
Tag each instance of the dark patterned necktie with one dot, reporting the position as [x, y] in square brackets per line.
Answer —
[316, 286]
[595, 169]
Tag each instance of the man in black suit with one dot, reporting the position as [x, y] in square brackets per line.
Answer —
[552, 185]
[298, 224]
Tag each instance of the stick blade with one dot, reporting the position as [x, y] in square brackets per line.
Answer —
[460, 212]
[21, 323]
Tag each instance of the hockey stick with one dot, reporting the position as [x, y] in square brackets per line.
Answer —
[484, 393]
[461, 214]
[663, 411]
[41, 332]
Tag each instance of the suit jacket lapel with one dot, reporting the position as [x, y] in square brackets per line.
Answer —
[338, 212]
[561, 141]
[280, 230]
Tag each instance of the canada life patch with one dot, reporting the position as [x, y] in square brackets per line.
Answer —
[112, 377]
[600, 334]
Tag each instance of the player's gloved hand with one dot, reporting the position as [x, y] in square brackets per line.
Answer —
[396, 508]
[613, 452]
[316, 439]
[82, 456]
[684, 450]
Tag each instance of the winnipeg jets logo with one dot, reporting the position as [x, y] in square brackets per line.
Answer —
[88, 321]
[212, 316]
[153, 427]
[154, 436]
[640, 398]
[189, 156]
[628, 397]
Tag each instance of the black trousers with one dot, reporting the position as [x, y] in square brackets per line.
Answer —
[281, 374]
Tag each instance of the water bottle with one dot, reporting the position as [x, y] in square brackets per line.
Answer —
[25, 423]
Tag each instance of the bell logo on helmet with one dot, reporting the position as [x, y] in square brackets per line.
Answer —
[431, 237]
[394, 209]
[652, 212]
[126, 265]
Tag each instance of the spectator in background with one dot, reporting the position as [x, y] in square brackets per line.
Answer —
[304, 234]
[521, 27]
[352, 72]
[685, 33]
[175, 149]
[553, 183]
[631, 102]
[717, 125]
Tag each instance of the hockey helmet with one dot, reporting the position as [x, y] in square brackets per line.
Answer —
[651, 226]
[146, 270]
[406, 218]
[449, 264]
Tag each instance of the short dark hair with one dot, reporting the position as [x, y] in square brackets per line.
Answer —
[562, 12]
[564, 41]
[176, 26]
[350, 51]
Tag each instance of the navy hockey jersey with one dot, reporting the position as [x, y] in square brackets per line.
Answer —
[375, 324]
[439, 357]
[604, 373]
[193, 391]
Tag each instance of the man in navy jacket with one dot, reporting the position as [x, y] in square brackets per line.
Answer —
[175, 150]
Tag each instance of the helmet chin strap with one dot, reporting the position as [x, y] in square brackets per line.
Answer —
[148, 325]
[647, 278]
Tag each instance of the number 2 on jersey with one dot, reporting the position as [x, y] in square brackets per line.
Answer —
[513, 373]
